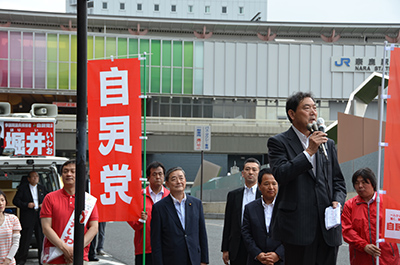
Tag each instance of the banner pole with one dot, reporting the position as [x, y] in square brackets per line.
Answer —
[381, 111]
[81, 131]
[144, 156]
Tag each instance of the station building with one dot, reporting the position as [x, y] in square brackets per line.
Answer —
[232, 75]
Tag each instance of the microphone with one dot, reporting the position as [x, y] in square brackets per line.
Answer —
[321, 124]
[312, 127]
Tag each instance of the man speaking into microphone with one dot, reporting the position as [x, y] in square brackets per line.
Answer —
[309, 182]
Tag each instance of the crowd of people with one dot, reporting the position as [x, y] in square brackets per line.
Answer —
[277, 217]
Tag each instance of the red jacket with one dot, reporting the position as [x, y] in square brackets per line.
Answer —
[138, 226]
[359, 230]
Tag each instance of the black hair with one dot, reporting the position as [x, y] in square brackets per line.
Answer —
[71, 161]
[262, 172]
[367, 174]
[5, 197]
[173, 169]
[293, 102]
[154, 165]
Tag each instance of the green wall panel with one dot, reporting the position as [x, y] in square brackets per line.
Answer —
[63, 76]
[63, 46]
[51, 75]
[166, 53]
[74, 48]
[90, 48]
[73, 76]
[155, 52]
[52, 47]
[122, 48]
[177, 53]
[144, 46]
[99, 48]
[188, 53]
[133, 48]
[166, 80]
[155, 80]
[187, 81]
[177, 81]
[111, 47]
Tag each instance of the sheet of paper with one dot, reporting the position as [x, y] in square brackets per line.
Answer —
[332, 217]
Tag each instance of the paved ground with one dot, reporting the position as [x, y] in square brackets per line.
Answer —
[119, 245]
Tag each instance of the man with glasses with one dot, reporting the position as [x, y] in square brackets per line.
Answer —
[154, 192]
[309, 182]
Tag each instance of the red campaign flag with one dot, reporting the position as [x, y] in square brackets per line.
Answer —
[391, 181]
[115, 148]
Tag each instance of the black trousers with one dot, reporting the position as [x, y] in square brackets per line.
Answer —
[26, 237]
[139, 259]
[241, 256]
[318, 253]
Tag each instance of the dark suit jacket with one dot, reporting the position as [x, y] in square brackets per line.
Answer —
[255, 235]
[231, 235]
[170, 243]
[303, 196]
[23, 197]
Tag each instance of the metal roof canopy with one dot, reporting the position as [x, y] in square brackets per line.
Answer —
[47, 19]
[359, 99]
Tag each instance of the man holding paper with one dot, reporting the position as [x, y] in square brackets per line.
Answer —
[57, 220]
[309, 182]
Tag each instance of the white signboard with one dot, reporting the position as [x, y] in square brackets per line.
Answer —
[202, 138]
[392, 225]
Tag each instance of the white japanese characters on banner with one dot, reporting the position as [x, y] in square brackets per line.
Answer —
[29, 138]
[115, 147]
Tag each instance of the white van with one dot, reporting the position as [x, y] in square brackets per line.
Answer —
[15, 169]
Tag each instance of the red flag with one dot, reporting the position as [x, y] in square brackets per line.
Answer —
[391, 184]
[115, 149]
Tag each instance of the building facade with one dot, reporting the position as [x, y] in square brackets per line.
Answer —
[246, 10]
[234, 81]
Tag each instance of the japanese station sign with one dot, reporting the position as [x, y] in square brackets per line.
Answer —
[33, 138]
[115, 147]
[358, 64]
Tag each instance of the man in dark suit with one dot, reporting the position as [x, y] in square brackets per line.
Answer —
[232, 247]
[309, 182]
[29, 198]
[261, 248]
[178, 230]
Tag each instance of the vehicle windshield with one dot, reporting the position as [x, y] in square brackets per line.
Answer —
[11, 178]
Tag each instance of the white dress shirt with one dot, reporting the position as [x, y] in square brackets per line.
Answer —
[180, 209]
[35, 197]
[268, 208]
[304, 141]
[249, 195]
[156, 196]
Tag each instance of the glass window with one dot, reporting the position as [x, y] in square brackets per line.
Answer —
[241, 10]
[90, 4]
[104, 5]
[139, 7]
[122, 6]
[156, 7]
[173, 8]
[207, 9]
[190, 9]
[224, 10]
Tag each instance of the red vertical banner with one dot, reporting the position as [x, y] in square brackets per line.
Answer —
[115, 148]
[391, 181]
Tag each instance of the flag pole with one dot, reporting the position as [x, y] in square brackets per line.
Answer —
[382, 97]
[144, 97]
